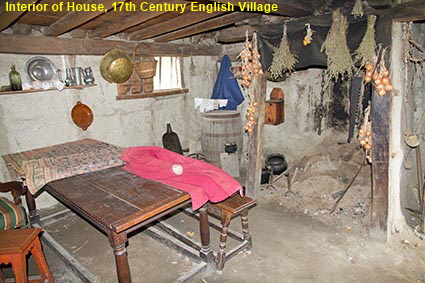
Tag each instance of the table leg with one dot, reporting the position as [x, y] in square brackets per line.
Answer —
[33, 212]
[118, 243]
[206, 252]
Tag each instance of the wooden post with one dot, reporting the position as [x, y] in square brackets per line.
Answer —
[255, 140]
[380, 115]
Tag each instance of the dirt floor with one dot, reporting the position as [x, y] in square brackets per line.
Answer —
[295, 237]
[318, 182]
[287, 247]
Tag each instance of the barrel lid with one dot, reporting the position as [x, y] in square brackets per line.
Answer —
[222, 114]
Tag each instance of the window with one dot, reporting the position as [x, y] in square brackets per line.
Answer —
[167, 81]
[168, 73]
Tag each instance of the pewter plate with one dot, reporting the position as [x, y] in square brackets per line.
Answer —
[40, 68]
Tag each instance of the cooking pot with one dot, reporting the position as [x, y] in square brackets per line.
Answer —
[230, 147]
[277, 163]
[116, 66]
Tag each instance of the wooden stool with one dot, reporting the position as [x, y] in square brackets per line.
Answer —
[15, 245]
[225, 211]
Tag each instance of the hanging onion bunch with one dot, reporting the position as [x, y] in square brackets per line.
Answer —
[365, 135]
[251, 65]
[379, 75]
[251, 115]
[251, 69]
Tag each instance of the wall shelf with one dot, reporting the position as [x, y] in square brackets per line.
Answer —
[156, 93]
[42, 90]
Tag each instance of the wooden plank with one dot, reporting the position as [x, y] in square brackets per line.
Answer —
[222, 21]
[261, 89]
[255, 141]
[292, 8]
[74, 18]
[21, 44]
[185, 19]
[9, 17]
[78, 33]
[157, 93]
[235, 34]
[129, 20]
[408, 11]
[380, 115]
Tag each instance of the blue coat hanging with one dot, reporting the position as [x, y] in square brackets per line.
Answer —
[226, 86]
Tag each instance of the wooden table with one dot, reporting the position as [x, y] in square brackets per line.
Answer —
[118, 202]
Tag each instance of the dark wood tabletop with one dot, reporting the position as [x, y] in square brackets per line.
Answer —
[115, 199]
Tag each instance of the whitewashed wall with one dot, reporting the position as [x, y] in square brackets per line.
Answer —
[32, 120]
[297, 137]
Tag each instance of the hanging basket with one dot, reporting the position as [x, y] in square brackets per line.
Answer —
[146, 67]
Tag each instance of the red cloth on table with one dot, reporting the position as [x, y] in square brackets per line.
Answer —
[200, 179]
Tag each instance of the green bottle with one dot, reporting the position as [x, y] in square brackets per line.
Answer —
[15, 79]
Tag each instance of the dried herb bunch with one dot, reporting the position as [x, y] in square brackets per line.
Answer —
[335, 47]
[357, 11]
[283, 59]
[365, 53]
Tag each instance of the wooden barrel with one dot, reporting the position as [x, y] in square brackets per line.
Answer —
[218, 128]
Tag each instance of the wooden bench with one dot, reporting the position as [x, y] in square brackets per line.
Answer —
[225, 211]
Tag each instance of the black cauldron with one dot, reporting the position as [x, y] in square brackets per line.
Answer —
[277, 163]
[230, 147]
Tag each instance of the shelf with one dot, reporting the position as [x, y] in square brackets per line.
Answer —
[42, 90]
[155, 93]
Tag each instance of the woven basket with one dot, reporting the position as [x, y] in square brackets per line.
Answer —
[146, 67]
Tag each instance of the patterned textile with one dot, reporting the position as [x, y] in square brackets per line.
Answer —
[11, 215]
[40, 166]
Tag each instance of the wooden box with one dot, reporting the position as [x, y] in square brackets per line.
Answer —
[275, 114]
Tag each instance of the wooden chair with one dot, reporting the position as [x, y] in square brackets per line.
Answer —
[12, 214]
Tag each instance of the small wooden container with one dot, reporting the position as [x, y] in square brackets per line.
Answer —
[275, 114]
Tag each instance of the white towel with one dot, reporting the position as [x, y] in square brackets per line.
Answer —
[205, 104]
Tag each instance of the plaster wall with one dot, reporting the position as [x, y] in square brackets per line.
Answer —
[298, 136]
[32, 120]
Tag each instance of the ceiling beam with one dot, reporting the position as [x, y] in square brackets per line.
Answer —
[291, 8]
[74, 19]
[235, 34]
[9, 17]
[222, 21]
[22, 44]
[127, 21]
[408, 11]
[186, 19]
